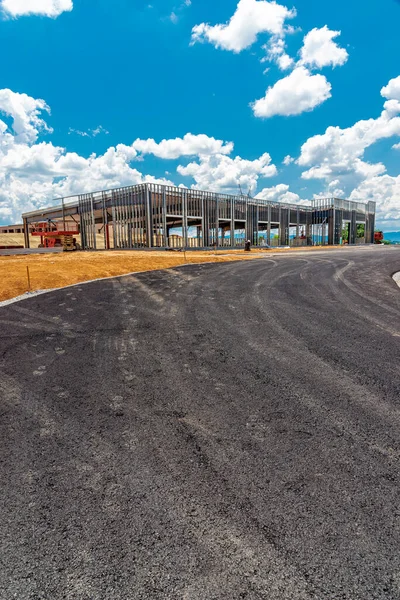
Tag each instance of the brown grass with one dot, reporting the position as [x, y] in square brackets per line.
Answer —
[57, 270]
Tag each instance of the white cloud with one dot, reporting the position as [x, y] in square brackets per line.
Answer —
[337, 156]
[319, 50]
[78, 132]
[392, 89]
[46, 8]
[34, 172]
[251, 18]
[288, 160]
[25, 114]
[177, 11]
[279, 193]
[385, 191]
[396, 147]
[189, 145]
[276, 52]
[298, 92]
[331, 192]
[339, 152]
[219, 172]
[284, 61]
[90, 132]
[99, 129]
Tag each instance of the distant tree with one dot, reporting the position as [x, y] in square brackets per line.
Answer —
[360, 232]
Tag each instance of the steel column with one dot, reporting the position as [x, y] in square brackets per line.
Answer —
[26, 233]
[149, 221]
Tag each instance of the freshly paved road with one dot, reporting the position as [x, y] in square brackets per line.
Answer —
[210, 432]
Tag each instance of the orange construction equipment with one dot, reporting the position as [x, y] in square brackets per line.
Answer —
[51, 236]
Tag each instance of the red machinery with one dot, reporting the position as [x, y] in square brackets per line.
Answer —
[378, 237]
[51, 236]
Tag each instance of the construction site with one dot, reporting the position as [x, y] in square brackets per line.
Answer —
[156, 216]
[136, 224]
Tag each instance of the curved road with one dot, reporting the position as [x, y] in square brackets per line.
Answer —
[210, 432]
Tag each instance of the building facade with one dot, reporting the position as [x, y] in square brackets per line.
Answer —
[156, 216]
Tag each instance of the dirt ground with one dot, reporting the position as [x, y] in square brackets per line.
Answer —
[47, 271]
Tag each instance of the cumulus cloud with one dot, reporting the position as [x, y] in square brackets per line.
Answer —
[189, 145]
[301, 91]
[298, 92]
[385, 191]
[251, 18]
[219, 172]
[333, 183]
[392, 90]
[276, 52]
[25, 114]
[337, 157]
[339, 152]
[278, 193]
[33, 172]
[396, 146]
[288, 160]
[319, 50]
[46, 8]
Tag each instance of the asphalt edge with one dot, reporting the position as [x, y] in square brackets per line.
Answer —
[28, 295]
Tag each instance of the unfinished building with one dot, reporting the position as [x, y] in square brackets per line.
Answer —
[150, 215]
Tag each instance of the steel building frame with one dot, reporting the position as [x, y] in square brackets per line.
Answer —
[144, 215]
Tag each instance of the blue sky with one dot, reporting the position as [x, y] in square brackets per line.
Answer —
[88, 90]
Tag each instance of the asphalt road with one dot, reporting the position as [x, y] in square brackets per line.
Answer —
[209, 432]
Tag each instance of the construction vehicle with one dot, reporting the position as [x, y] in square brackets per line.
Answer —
[378, 237]
[53, 235]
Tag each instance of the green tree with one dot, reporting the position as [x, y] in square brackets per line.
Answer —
[360, 230]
